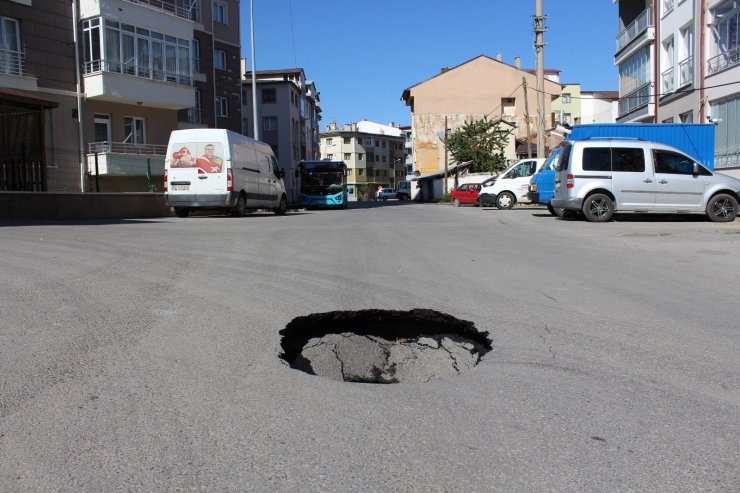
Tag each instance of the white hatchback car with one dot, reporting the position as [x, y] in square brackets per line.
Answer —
[598, 177]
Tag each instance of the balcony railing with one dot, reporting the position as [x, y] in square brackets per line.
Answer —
[686, 72]
[668, 83]
[126, 148]
[634, 100]
[192, 13]
[133, 70]
[194, 115]
[637, 27]
[723, 61]
[12, 62]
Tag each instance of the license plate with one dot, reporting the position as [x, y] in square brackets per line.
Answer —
[180, 187]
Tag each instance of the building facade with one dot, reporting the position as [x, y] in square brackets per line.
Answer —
[566, 108]
[679, 61]
[288, 115]
[375, 155]
[109, 111]
[493, 89]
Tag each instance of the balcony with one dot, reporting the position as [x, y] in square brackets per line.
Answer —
[723, 60]
[194, 115]
[128, 83]
[191, 13]
[686, 72]
[635, 100]
[122, 158]
[635, 29]
[667, 81]
[12, 63]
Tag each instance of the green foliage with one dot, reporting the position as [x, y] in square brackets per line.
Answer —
[482, 142]
[445, 198]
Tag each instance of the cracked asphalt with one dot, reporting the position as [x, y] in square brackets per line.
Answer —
[143, 355]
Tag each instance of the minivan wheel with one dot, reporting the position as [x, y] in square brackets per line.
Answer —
[556, 211]
[505, 200]
[598, 208]
[182, 211]
[240, 208]
[282, 207]
[722, 208]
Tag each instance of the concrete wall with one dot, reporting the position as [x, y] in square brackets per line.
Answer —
[35, 205]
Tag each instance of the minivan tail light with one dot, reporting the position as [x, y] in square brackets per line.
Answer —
[229, 180]
[569, 181]
[165, 182]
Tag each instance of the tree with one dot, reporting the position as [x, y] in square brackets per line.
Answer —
[482, 142]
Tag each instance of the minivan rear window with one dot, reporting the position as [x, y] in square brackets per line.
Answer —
[628, 159]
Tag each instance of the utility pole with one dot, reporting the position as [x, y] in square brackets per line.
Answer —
[526, 118]
[254, 75]
[539, 45]
[446, 190]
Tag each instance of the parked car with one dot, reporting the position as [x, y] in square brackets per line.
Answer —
[599, 177]
[385, 194]
[511, 186]
[466, 193]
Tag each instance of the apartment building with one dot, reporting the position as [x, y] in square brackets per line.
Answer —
[136, 73]
[288, 119]
[375, 155]
[566, 108]
[679, 61]
[492, 88]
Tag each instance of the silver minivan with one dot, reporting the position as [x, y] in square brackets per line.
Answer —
[598, 177]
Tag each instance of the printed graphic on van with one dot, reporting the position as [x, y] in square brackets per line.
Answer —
[206, 156]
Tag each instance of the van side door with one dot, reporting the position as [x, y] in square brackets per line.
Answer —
[633, 182]
[677, 187]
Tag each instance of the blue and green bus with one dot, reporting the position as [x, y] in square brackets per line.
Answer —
[323, 184]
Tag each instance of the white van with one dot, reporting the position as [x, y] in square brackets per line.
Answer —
[511, 186]
[213, 168]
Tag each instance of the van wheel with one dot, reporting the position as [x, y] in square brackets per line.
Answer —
[282, 207]
[240, 208]
[598, 208]
[182, 211]
[722, 208]
[505, 200]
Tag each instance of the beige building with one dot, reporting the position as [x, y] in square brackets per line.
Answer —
[374, 155]
[479, 87]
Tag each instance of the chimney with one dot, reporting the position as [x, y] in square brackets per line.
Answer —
[499, 56]
[518, 61]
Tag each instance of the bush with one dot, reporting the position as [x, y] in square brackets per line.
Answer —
[445, 198]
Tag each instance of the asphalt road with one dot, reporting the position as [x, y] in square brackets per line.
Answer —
[142, 355]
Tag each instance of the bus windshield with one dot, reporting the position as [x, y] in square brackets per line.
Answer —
[322, 177]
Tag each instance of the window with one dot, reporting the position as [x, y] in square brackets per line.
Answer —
[220, 12]
[508, 106]
[348, 140]
[370, 172]
[725, 34]
[667, 6]
[628, 160]
[567, 118]
[133, 128]
[330, 156]
[672, 163]
[10, 47]
[269, 95]
[360, 156]
[194, 112]
[329, 141]
[269, 123]
[360, 172]
[635, 72]
[347, 156]
[349, 172]
[222, 106]
[219, 59]
[687, 117]
[565, 98]
[102, 128]
[195, 49]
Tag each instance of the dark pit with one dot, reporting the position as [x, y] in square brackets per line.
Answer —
[383, 346]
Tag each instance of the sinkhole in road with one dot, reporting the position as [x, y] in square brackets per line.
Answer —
[383, 346]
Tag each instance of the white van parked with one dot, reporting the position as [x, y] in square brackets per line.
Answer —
[511, 186]
[212, 168]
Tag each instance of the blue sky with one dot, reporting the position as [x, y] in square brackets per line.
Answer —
[362, 54]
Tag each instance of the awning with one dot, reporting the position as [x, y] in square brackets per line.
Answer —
[25, 98]
[451, 170]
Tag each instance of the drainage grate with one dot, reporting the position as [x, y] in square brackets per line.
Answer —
[383, 346]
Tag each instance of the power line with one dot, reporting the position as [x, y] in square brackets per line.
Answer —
[685, 91]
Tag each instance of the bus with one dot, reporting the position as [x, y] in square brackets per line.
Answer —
[323, 184]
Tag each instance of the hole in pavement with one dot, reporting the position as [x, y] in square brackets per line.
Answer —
[383, 346]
